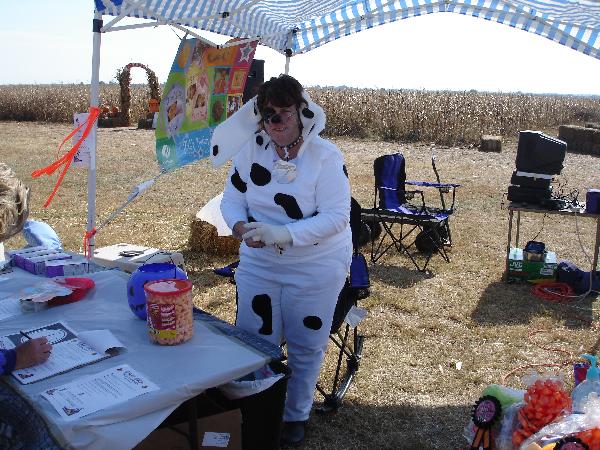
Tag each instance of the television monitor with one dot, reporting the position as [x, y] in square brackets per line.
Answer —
[539, 153]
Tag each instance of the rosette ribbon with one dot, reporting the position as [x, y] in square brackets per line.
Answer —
[486, 412]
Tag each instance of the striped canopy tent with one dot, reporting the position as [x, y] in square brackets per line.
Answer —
[297, 26]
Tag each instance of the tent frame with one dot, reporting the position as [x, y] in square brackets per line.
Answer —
[574, 24]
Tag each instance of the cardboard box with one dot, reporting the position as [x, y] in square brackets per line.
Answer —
[129, 257]
[216, 432]
[519, 269]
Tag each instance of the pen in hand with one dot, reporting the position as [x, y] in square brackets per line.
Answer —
[25, 335]
[29, 338]
[32, 352]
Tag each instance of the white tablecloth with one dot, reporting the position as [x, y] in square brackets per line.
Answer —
[182, 371]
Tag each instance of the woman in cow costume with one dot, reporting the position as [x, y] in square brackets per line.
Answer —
[287, 197]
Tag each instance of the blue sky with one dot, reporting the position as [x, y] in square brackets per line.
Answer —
[39, 44]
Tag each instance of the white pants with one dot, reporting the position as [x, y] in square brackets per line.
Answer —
[281, 299]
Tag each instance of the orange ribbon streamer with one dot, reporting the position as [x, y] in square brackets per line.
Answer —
[86, 242]
[67, 158]
[483, 438]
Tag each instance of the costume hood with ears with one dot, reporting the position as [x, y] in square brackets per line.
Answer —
[230, 136]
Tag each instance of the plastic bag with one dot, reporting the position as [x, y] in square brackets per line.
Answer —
[253, 383]
[571, 425]
[545, 402]
[211, 213]
[510, 400]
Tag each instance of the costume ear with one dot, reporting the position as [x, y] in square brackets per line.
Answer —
[230, 136]
[312, 117]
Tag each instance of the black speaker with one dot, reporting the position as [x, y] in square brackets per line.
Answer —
[528, 195]
[256, 77]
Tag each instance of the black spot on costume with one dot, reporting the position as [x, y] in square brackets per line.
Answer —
[289, 205]
[237, 182]
[261, 305]
[312, 322]
[259, 175]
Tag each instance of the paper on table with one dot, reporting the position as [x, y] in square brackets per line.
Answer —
[95, 392]
[68, 350]
[9, 307]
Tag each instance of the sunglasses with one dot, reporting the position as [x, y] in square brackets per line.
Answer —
[277, 117]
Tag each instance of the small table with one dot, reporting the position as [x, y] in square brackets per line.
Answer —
[212, 357]
[527, 208]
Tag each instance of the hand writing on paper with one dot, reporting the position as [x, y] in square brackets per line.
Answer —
[32, 352]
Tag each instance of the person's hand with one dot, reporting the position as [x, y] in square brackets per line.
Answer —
[269, 234]
[32, 352]
[238, 231]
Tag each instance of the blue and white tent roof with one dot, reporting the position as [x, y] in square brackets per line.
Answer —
[302, 25]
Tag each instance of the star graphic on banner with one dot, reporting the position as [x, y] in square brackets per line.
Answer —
[246, 51]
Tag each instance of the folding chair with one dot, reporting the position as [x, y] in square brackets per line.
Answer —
[343, 333]
[406, 220]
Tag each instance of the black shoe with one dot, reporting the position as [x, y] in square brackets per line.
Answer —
[292, 434]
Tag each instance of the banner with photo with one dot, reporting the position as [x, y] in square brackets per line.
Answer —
[204, 87]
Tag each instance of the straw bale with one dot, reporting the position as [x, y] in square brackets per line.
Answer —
[491, 143]
[580, 139]
[204, 238]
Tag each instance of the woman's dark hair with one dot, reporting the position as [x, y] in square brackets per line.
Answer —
[281, 91]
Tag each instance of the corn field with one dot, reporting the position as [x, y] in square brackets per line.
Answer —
[441, 117]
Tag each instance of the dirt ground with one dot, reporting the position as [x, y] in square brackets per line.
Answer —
[432, 343]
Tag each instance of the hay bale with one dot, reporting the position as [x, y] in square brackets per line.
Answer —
[491, 143]
[204, 238]
[579, 139]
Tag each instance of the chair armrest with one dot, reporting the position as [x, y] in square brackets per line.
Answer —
[430, 184]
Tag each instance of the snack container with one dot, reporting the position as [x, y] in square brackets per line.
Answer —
[169, 311]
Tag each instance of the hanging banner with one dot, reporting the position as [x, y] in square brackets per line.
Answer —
[204, 87]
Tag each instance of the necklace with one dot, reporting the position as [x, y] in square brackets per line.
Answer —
[286, 148]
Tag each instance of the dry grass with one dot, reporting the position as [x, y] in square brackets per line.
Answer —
[408, 392]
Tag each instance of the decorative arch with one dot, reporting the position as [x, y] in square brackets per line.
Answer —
[124, 78]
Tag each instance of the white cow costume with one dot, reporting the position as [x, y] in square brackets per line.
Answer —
[288, 293]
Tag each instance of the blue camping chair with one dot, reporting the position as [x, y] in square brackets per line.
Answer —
[411, 226]
[343, 334]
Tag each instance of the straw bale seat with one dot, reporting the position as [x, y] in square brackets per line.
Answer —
[204, 238]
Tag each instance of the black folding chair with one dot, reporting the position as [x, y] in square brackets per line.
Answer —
[408, 223]
[343, 333]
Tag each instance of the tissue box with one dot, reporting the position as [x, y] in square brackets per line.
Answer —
[17, 255]
[67, 267]
[22, 260]
[37, 264]
[128, 257]
[521, 269]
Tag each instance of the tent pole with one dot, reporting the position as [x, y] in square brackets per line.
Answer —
[288, 53]
[94, 101]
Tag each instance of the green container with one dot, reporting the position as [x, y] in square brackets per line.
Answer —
[521, 270]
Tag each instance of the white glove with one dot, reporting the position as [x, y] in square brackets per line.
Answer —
[269, 234]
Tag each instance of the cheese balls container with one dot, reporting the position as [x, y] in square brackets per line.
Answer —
[170, 311]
